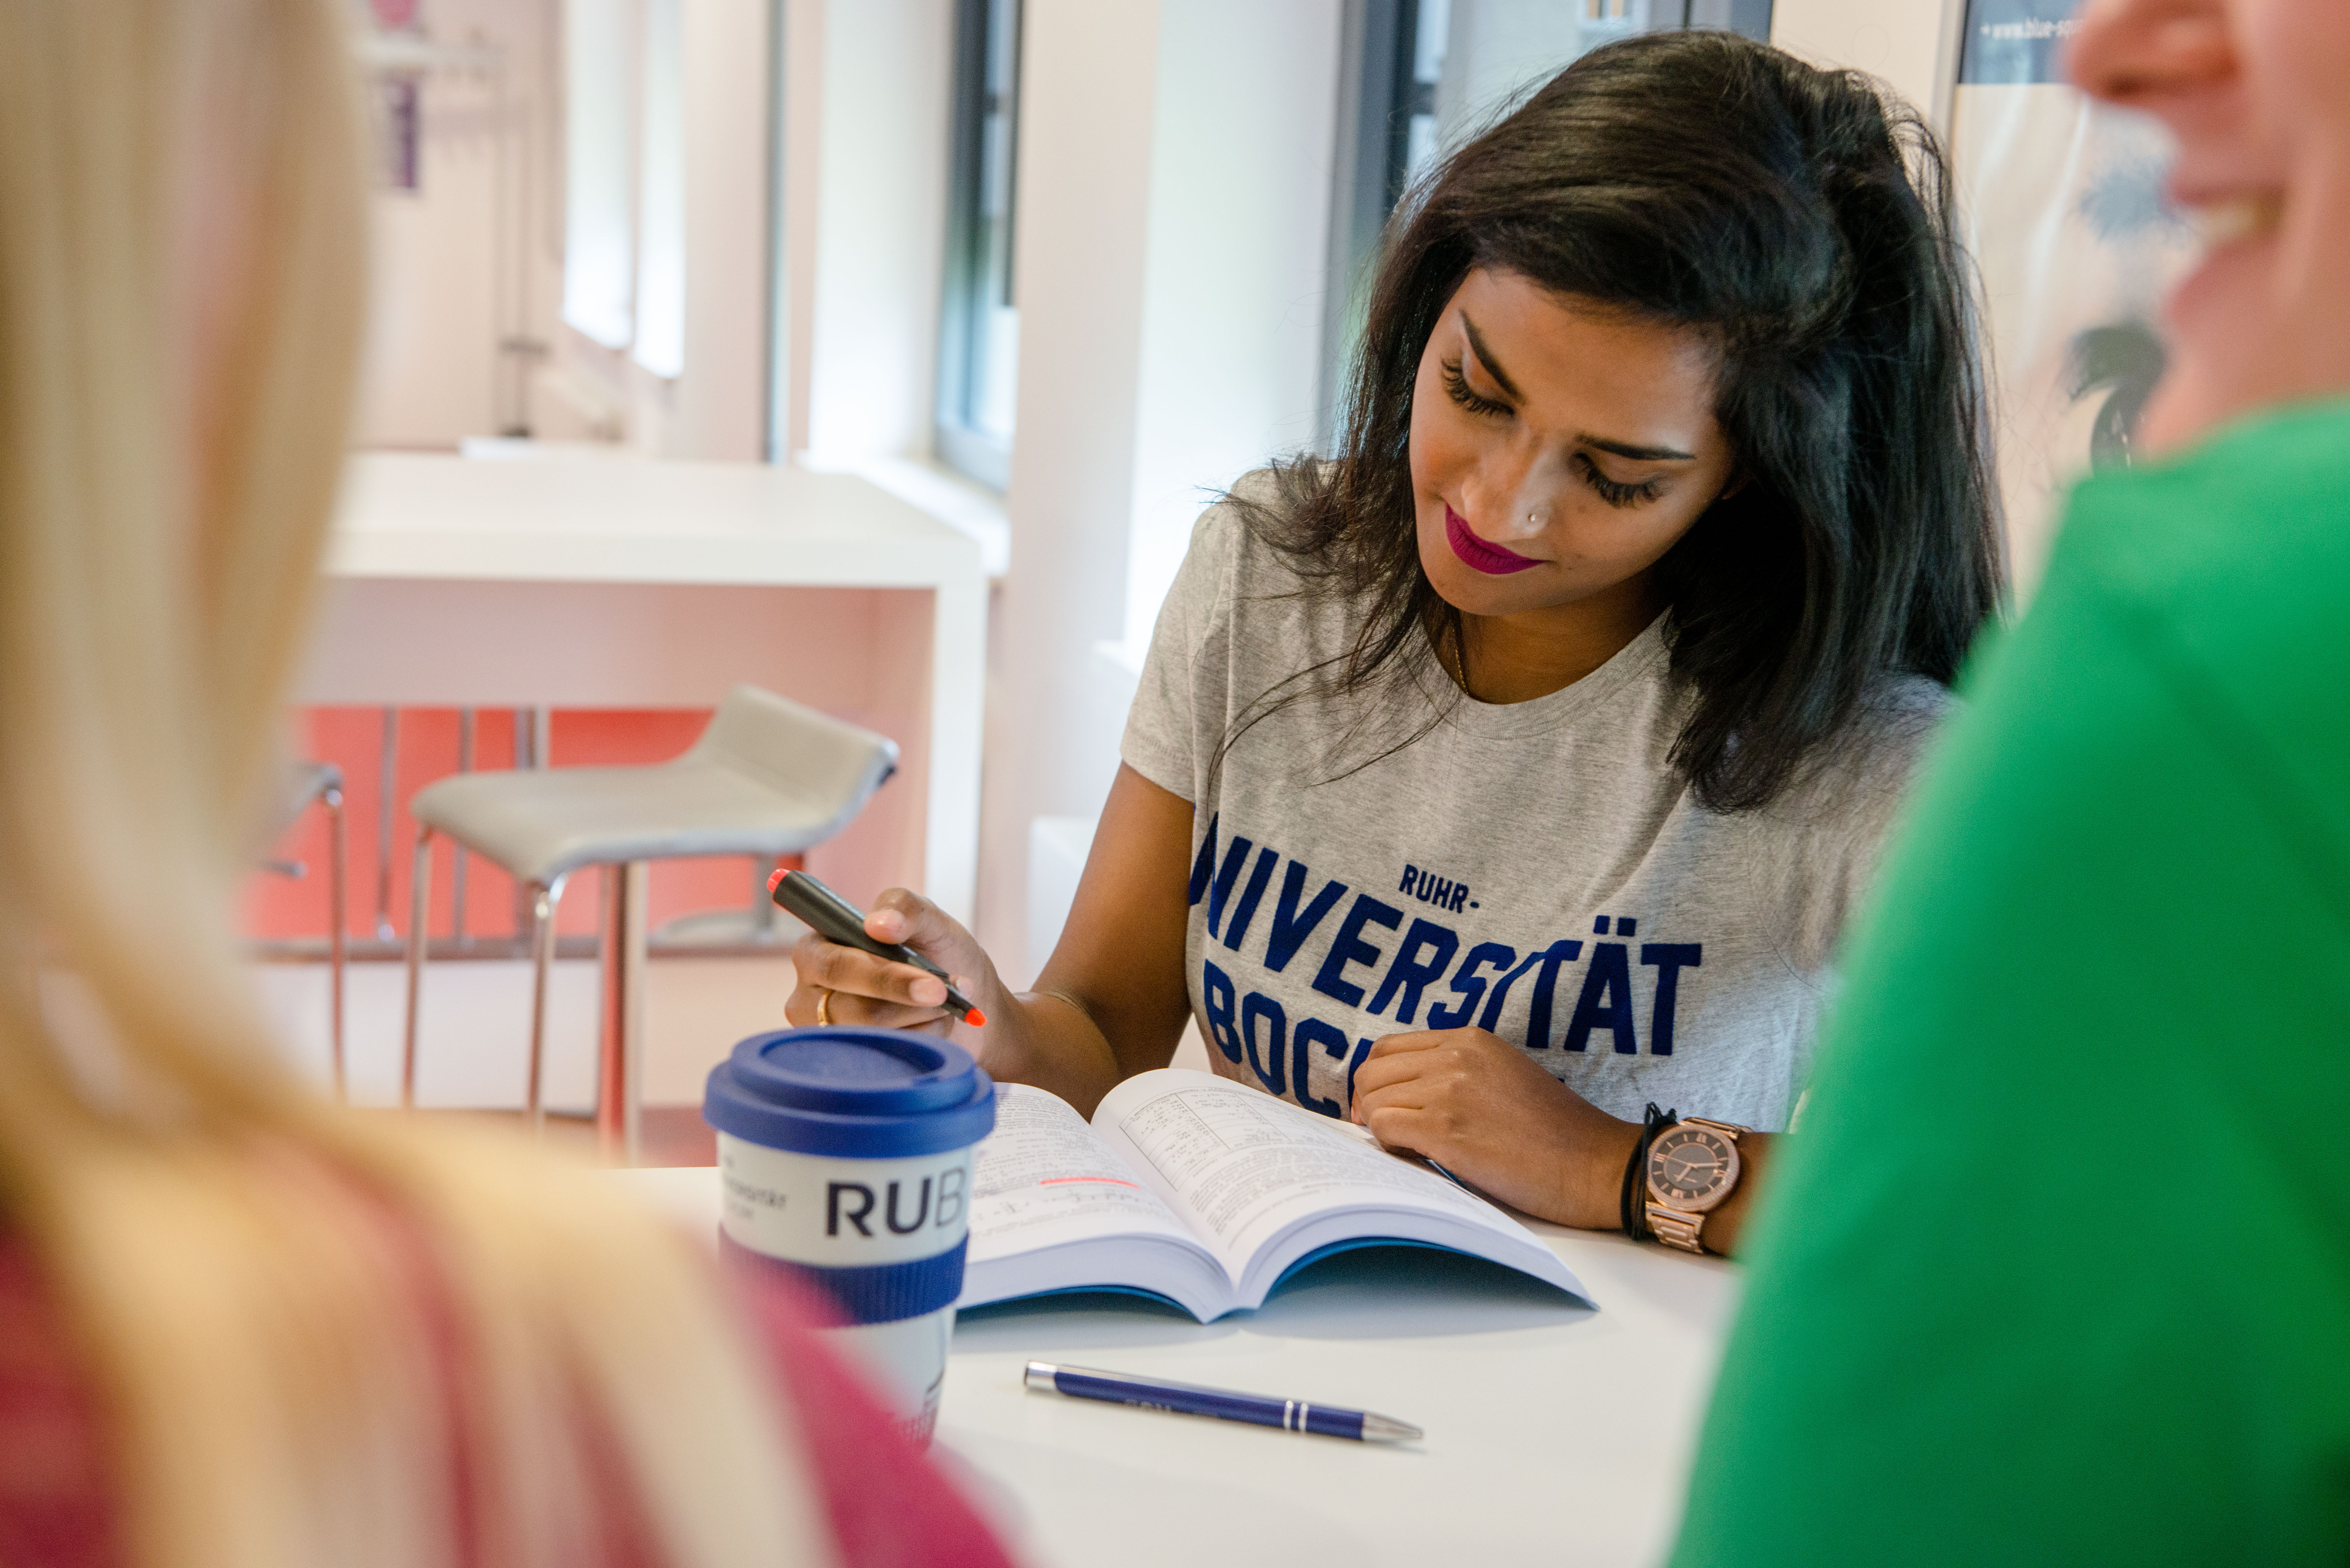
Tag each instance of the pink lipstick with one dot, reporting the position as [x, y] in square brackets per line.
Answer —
[1489, 559]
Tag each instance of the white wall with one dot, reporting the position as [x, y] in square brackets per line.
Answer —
[433, 336]
[715, 408]
[802, 118]
[1235, 264]
[1088, 76]
[431, 350]
[487, 157]
[1912, 44]
[867, 99]
[1170, 339]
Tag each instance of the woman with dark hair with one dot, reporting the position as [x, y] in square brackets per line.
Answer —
[1516, 767]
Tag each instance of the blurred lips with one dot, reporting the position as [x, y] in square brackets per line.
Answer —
[2238, 228]
[2234, 219]
[1489, 559]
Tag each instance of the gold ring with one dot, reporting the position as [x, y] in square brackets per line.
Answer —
[824, 1007]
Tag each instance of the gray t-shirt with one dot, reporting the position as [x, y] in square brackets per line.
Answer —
[1537, 870]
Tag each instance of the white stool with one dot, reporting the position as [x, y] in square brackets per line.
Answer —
[768, 777]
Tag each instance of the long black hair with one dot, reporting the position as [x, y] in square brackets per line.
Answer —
[1802, 224]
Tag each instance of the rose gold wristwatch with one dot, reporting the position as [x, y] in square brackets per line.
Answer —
[1693, 1166]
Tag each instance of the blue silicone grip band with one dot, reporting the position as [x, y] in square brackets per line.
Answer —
[879, 1292]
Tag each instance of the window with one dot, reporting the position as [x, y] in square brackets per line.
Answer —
[1428, 72]
[979, 324]
[624, 178]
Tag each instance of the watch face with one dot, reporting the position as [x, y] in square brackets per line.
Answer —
[1691, 1168]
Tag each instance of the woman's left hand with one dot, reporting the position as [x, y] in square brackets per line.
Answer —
[1475, 1105]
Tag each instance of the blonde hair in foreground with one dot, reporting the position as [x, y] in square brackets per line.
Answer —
[246, 1266]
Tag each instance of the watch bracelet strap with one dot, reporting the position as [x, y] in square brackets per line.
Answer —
[1635, 1215]
[1676, 1229]
[1682, 1227]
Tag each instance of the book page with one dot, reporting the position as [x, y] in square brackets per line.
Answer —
[1042, 1179]
[1243, 1167]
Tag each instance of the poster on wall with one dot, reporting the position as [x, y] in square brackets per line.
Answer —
[2061, 204]
[395, 91]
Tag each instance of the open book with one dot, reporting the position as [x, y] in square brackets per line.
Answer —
[1205, 1192]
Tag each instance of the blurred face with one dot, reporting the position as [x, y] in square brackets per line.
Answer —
[1558, 448]
[2258, 93]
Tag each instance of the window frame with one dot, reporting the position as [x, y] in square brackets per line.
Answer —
[1381, 92]
[958, 442]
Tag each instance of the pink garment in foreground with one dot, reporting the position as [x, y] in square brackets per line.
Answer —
[888, 1507]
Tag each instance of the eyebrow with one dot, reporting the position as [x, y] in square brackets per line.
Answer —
[1623, 449]
[1485, 358]
[1638, 453]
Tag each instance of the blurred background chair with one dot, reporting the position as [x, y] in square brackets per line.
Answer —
[767, 778]
[305, 784]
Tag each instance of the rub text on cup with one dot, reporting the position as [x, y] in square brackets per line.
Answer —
[846, 1157]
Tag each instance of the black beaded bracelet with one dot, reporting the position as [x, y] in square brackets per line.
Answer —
[1636, 1216]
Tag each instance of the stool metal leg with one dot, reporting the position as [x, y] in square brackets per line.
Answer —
[456, 846]
[387, 786]
[620, 1049]
[419, 908]
[545, 900]
[527, 754]
[336, 869]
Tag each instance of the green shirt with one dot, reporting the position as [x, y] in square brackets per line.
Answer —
[2058, 1269]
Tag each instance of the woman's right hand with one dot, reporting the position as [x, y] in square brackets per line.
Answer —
[855, 987]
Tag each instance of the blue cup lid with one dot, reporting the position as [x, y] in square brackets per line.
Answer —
[861, 1094]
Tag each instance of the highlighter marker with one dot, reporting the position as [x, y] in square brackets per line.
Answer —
[835, 920]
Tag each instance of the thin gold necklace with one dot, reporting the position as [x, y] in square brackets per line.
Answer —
[1460, 667]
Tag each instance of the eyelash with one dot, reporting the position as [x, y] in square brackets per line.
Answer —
[1456, 386]
[1613, 492]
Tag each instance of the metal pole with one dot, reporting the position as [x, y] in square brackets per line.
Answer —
[527, 754]
[337, 857]
[544, 904]
[620, 1047]
[386, 805]
[457, 845]
[419, 893]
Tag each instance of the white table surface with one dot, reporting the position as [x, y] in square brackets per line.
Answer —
[1556, 1435]
[620, 524]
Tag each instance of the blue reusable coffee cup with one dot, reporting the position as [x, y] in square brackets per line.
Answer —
[846, 1157]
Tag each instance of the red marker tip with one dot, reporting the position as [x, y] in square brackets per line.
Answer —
[975, 1018]
[775, 880]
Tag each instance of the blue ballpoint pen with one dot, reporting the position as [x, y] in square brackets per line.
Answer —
[1191, 1399]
